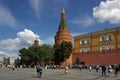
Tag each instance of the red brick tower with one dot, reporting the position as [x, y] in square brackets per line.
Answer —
[63, 33]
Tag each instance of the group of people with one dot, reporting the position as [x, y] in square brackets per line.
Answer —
[106, 69]
[110, 70]
[102, 67]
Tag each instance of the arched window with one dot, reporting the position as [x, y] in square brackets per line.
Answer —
[109, 37]
[81, 41]
[102, 38]
[102, 48]
[87, 50]
[81, 51]
[110, 47]
[87, 41]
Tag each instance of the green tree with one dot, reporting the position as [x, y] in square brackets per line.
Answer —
[48, 53]
[62, 51]
[25, 58]
[77, 61]
[57, 54]
[37, 54]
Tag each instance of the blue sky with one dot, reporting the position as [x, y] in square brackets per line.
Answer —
[21, 21]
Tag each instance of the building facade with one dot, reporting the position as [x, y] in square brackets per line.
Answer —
[103, 40]
[100, 47]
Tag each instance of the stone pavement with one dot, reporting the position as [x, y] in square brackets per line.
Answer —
[51, 74]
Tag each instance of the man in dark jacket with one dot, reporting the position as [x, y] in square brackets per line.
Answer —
[39, 71]
[103, 70]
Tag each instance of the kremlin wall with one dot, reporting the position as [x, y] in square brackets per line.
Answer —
[101, 47]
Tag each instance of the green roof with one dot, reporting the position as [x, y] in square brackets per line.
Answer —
[63, 23]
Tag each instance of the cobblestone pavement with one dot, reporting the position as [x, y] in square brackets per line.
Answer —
[51, 74]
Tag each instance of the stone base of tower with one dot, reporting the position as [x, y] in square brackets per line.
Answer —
[92, 58]
[67, 62]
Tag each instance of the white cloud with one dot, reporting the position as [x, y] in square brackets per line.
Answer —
[36, 5]
[108, 11]
[24, 39]
[6, 17]
[85, 21]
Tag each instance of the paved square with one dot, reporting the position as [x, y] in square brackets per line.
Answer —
[51, 74]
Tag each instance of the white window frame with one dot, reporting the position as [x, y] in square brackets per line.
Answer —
[108, 37]
[81, 50]
[87, 50]
[109, 47]
[102, 48]
[88, 41]
[82, 41]
[103, 36]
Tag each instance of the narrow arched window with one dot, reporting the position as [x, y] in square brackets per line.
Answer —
[81, 41]
[87, 41]
[102, 38]
[109, 37]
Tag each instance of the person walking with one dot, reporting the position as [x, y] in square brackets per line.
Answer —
[66, 70]
[39, 71]
[90, 68]
[13, 67]
[116, 70]
[103, 70]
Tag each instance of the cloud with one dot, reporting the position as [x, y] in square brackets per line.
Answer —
[10, 47]
[108, 11]
[85, 21]
[36, 5]
[6, 17]
[24, 39]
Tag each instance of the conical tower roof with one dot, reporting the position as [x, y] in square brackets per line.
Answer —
[63, 23]
[63, 33]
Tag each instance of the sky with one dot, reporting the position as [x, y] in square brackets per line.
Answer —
[22, 21]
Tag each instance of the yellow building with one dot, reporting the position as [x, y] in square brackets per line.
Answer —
[102, 40]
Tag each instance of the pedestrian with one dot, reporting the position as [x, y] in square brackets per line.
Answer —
[103, 70]
[109, 69]
[39, 71]
[116, 70]
[90, 68]
[13, 67]
[97, 68]
[80, 66]
[66, 70]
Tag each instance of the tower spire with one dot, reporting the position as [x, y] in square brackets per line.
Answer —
[63, 11]
[63, 23]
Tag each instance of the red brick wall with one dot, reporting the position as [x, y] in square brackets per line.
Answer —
[107, 57]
